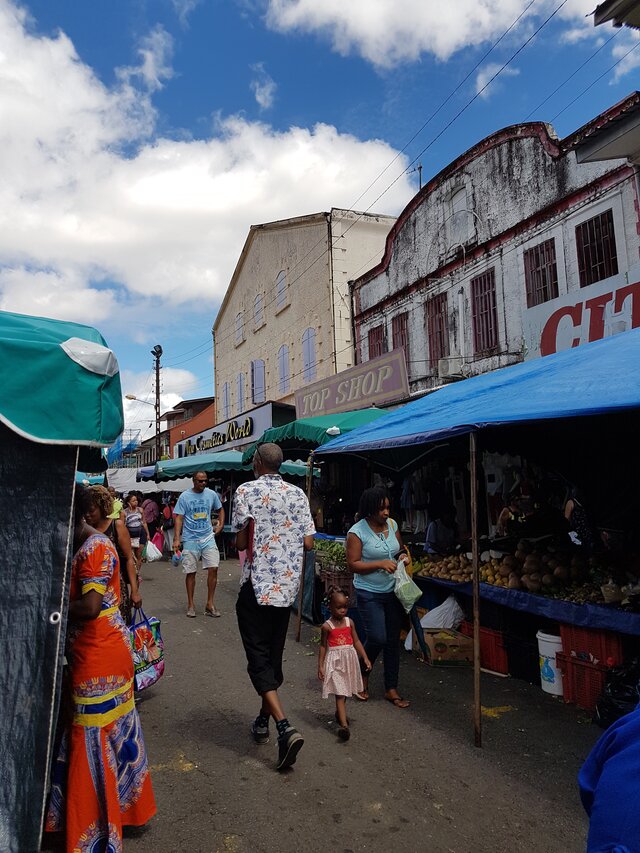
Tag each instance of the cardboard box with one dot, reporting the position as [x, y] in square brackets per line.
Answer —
[448, 647]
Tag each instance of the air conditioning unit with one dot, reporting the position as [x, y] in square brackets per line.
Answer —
[450, 368]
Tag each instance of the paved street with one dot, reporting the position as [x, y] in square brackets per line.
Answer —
[407, 780]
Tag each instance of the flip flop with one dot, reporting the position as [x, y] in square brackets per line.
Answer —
[398, 701]
[363, 696]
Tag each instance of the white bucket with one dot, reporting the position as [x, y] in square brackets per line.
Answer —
[550, 675]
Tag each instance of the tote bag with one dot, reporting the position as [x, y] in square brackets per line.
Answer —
[147, 649]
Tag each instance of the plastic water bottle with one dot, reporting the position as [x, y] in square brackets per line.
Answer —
[176, 559]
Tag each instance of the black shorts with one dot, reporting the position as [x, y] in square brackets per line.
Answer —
[263, 629]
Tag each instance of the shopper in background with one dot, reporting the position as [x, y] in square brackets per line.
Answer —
[195, 537]
[101, 778]
[610, 788]
[118, 504]
[136, 526]
[374, 546]
[151, 512]
[100, 504]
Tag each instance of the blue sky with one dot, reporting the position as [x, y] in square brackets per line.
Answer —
[141, 138]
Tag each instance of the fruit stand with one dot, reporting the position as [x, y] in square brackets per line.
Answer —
[551, 400]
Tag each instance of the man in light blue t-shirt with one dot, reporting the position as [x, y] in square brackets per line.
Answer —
[195, 536]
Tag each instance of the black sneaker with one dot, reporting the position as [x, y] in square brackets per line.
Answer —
[259, 731]
[289, 745]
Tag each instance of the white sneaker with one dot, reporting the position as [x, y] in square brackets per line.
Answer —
[191, 612]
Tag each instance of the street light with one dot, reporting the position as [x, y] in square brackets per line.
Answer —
[133, 397]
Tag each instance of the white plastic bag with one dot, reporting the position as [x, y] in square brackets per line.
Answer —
[407, 592]
[152, 554]
[449, 614]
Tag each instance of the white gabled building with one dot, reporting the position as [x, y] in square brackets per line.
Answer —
[522, 246]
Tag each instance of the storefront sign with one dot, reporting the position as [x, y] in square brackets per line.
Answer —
[380, 380]
[589, 314]
[226, 435]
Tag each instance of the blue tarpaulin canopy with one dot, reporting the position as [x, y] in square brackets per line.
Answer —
[595, 378]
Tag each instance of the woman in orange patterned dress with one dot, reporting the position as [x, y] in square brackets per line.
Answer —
[101, 778]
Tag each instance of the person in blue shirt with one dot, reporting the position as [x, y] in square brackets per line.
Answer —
[610, 788]
[195, 537]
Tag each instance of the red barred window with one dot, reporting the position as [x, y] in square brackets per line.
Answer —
[376, 341]
[437, 331]
[596, 244]
[400, 333]
[485, 314]
[541, 273]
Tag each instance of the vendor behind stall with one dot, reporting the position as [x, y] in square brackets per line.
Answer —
[442, 533]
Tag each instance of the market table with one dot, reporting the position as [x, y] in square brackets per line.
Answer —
[583, 615]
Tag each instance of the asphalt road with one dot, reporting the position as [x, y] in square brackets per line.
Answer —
[409, 780]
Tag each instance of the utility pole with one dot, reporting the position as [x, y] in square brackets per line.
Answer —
[156, 352]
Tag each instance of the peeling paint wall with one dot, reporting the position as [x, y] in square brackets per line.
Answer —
[510, 193]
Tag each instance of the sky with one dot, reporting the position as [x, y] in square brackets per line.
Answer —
[140, 139]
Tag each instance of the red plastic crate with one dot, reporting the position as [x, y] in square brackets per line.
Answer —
[493, 654]
[605, 646]
[582, 681]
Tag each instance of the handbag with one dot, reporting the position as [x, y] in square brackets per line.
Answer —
[147, 649]
[151, 553]
[407, 592]
[158, 540]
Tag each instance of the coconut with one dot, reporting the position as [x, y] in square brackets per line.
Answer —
[521, 555]
[514, 583]
[508, 561]
[561, 573]
[552, 563]
[547, 580]
[534, 586]
[545, 558]
[535, 576]
[505, 570]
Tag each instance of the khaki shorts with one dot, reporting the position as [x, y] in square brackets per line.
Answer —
[209, 555]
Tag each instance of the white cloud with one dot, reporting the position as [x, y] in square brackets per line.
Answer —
[627, 50]
[263, 86]
[155, 51]
[88, 197]
[183, 8]
[484, 87]
[389, 32]
[139, 414]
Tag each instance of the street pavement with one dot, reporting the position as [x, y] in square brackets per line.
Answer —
[409, 780]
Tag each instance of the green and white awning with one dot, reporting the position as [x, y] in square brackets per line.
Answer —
[60, 382]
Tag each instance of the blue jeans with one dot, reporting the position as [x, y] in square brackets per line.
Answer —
[419, 632]
[382, 615]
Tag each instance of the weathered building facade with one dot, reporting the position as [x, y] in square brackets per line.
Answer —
[285, 320]
[486, 264]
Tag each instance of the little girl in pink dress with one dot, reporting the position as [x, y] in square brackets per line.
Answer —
[338, 665]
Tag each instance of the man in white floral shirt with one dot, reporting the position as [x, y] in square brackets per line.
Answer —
[274, 526]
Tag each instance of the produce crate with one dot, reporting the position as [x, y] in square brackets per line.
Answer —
[582, 681]
[493, 654]
[604, 646]
[331, 577]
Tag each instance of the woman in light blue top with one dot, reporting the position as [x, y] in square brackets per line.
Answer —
[374, 546]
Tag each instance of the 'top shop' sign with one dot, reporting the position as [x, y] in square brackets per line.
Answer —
[380, 380]
[589, 314]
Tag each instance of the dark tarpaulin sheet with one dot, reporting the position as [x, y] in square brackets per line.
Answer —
[36, 491]
[582, 615]
[596, 378]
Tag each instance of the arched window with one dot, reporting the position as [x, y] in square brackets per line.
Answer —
[258, 392]
[309, 354]
[283, 369]
[281, 290]
[240, 392]
[258, 311]
[226, 402]
[239, 328]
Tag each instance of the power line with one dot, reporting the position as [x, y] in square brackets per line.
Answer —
[397, 155]
[571, 76]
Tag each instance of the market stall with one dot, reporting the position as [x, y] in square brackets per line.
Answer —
[224, 460]
[588, 385]
[60, 401]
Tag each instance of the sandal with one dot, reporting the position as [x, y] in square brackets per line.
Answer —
[398, 701]
[363, 696]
